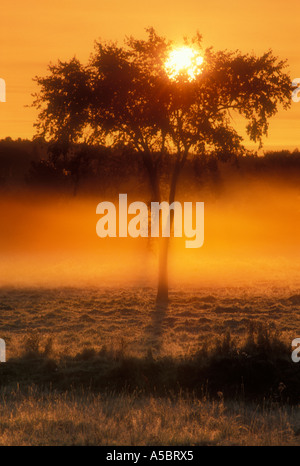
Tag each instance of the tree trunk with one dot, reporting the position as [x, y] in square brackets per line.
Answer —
[163, 285]
[152, 169]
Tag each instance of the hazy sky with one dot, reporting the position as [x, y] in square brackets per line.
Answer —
[35, 32]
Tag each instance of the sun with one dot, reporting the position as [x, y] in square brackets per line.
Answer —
[183, 60]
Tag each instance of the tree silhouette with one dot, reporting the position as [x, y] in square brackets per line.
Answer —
[124, 96]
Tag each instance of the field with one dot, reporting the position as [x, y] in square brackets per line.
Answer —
[104, 366]
[88, 419]
[127, 319]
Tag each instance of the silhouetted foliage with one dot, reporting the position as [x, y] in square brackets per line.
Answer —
[29, 164]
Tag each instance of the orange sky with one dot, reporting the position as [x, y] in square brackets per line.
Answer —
[35, 32]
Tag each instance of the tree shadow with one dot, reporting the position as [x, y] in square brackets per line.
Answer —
[155, 330]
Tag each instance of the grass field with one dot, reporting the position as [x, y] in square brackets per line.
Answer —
[50, 418]
[127, 319]
[104, 366]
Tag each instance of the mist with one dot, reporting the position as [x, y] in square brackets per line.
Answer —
[250, 235]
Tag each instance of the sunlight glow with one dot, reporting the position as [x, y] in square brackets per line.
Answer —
[183, 60]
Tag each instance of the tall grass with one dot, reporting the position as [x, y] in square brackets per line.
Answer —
[82, 418]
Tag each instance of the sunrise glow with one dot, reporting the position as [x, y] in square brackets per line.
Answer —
[184, 61]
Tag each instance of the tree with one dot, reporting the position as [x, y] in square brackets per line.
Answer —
[124, 96]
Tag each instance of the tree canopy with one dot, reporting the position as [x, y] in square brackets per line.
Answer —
[124, 94]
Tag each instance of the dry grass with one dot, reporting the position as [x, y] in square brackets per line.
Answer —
[72, 335]
[86, 419]
[126, 320]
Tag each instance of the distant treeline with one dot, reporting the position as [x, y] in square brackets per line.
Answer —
[84, 169]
